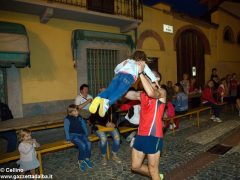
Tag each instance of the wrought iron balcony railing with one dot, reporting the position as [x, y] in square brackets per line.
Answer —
[128, 8]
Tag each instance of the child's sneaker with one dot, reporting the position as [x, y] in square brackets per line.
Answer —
[82, 166]
[132, 142]
[213, 117]
[129, 138]
[88, 163]
[94, 105]
[104, 106]
[218, 120]
[172, 126]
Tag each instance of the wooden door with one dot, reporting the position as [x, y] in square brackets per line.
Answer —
[190, 55]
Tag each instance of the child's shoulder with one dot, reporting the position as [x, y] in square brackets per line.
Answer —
[66, 118]
[23, 144]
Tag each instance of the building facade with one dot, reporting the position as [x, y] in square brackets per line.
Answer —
[66, 50]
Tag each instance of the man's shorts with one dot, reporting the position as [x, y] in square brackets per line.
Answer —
[148, 144]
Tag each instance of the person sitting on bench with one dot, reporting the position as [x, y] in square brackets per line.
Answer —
[181, 101]
[10, 136]
[76, 132]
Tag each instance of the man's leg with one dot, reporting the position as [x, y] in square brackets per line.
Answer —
[11, 138]
[153, 162]
[137, 162]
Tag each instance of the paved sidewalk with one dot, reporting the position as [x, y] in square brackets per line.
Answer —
[177, 152]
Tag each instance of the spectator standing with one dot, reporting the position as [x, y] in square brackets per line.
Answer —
[233, 88]
[185, 83]
[215, 78]
[170, 90]
[222, 91]
[28, 157]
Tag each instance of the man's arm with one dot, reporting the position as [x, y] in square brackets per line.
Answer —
[133, 95]
[147, 85]
[78, 102]
[81, 106]
[149, 73]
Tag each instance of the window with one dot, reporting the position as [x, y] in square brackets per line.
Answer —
[100, 67]
[228, 35]
[105, 6]
[3, 85]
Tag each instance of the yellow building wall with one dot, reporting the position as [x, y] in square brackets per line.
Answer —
[154, 20]
[228, 54]
[51, 76]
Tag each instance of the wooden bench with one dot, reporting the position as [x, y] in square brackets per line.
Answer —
[55, 146]
[189, 113]
[34, 123]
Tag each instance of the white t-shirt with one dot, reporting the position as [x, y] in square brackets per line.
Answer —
[136, 116]
[80, 99]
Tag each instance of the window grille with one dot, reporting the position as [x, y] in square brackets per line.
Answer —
[100, 67]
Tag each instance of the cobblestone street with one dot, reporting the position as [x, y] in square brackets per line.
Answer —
[178, 151]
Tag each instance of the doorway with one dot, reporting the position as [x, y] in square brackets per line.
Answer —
[190, 56]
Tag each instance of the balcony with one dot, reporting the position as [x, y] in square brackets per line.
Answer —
[125, 14]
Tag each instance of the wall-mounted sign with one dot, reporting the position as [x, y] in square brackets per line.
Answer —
[167, 28]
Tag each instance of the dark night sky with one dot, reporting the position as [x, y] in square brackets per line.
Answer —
[190, 7]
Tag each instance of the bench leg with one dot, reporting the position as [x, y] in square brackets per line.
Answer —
[108, 152]
[40, 162]
[191, 118]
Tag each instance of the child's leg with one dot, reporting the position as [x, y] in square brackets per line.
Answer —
[116, 140]
[88, 146]
[21, 173]
[119, 86]
[77, 140]
[125, 81]
[111, 87]
[88, 152]
[104, 94]
[32, 172]
[103, 142]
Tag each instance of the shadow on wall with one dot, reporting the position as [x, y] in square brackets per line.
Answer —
[42, 65]
[34, 109]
